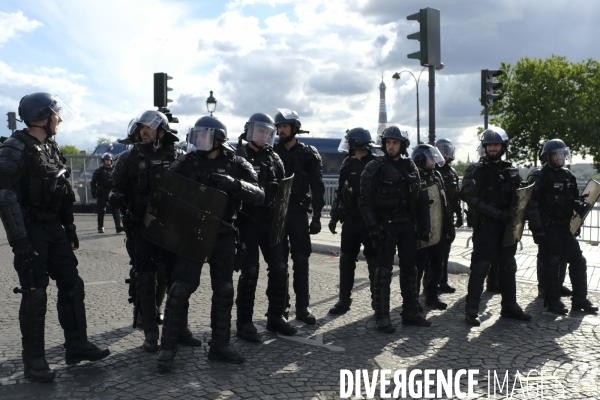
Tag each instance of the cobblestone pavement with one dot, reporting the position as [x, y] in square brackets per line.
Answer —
[305, 366]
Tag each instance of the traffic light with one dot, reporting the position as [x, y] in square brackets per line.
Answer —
[428, 36]
[12, 121]
[488, 86]
[161, 89]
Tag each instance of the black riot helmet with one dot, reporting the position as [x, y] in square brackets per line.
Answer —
[40, 106]
[356, 138]
[395, 132]
[446, 147]
[154, 120]
[426, 156]
[260, 128]
[555, 147]
[495, 135]
[286, 116]
[204, 133]
[107, 156]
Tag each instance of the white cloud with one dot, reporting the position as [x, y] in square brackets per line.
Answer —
[13, 23]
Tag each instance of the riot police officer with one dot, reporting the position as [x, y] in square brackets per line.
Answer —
[430, 258]
[488, 187]
[389, 188]
[255, 225]
[35, 206]
[133, 178]
[555, 197]
[304, 162]
[210, 161]
[102, 184]
[358, 144]
[452, 188]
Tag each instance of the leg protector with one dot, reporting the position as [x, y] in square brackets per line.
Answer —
[383, 280]
[300, 268]
[408, 287]
[479, 270]
[100, 219]
[246, 293]
[32, 317]
[347, 268]
[277, 289]
[372, 267]
[493, 279]
[222, 302]
[508, 284]
[146, 281]
[578, 274]
[175, 310]
[71, 309]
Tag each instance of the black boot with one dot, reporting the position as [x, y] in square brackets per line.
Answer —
[514, 311]
[32, 316]
[301, 288]
[383, 278]
[472, 317]
[245, 329]
[80, 349]
[555, 306]
[552, 287]
[175, 310]
[222, 302]
[578, 274]
[446, 288]
[584, 305]
[101, 221]
[147, 294]
[564, 291]
[277, 295]
[435, 303]
[347, 268]
[409, 287]
[479, 271]
[186, 337]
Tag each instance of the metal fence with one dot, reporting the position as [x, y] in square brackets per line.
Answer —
[82, 169]
[590, 231]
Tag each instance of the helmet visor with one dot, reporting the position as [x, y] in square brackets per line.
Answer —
[61, 109]
[343, 147]
[132, 129]
[149, 118]
[433, 158]
[480, 151]
[201, 138]
[261, 132]
[446, 149]
[560, 157]
[288, 114]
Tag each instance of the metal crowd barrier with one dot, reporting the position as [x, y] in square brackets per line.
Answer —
[82, 169]
[590, 231]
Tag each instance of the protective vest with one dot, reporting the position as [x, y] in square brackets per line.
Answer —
[502, 180]
[350, 174]
[395, 188]
[103, 179]
[46, 183]
[450, 178]
[268, 168]
[557, 195]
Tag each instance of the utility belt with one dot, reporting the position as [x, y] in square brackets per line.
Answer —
[41, 216]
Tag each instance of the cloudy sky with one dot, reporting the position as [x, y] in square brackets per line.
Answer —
[323, 58]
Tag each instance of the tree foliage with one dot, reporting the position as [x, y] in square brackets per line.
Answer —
[69, 149]
[549, 99]
[103, 140]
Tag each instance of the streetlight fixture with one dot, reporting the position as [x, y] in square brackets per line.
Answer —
[211, 104]
[396, 77]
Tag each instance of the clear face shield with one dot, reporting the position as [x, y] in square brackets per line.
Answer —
[200, 138]
[447, 150]
[149, 118]
[480, 150]
[343, 147]
[261, 132]
[560, 157]
[433, 158]
[61, 109]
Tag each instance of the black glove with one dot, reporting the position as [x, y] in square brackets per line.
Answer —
[332, 224]
[377, 239]
[315, 225]
[505, 217]
[72, 235]
[539, 237]
[23, 250]
[94, 194]
[226, 182]
[459, 221]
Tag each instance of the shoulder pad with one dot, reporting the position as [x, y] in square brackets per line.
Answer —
[308, 149]
[178, 163]
[241, 151]
[374, 165]
[345, 162]
[242, 162]
[123, 155]
[536, 172]
[14, 143]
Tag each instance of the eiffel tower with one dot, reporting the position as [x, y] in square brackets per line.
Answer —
[382, 108]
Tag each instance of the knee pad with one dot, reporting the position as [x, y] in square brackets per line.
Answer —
[225, 290]
[75, 289]
[300, 259]
[510, 266]
[251, 272]
[347, 260]
[554, 264]
[280, 271]
[480, 268]
[179, 290]
[383, 276]
[146, 278]
[37, 300]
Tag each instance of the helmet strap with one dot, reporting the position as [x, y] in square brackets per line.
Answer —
[156, 143]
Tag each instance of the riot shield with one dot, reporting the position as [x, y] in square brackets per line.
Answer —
[432, 215]
[518, 205]
[282, 200]
[590, 194]
[183, 216]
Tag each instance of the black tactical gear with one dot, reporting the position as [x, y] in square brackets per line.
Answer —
[255, 224]
[487, 189]
[186, 274]
[446, 147]
[550, 211]
[451, 185]
[345, 208]
[35, 207]
[558, 147]
[102, 184]
[285, 116]
[133, 179]
[304, 162]
[388, 201]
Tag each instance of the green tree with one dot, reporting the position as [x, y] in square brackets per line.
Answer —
[103, 140]
[547, 99]
[69, 149]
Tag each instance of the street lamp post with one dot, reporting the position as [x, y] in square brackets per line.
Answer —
[396, 77]
[211, 104]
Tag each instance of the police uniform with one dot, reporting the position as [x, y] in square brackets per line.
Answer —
[304, 162]
[102, 184]
[452, 188]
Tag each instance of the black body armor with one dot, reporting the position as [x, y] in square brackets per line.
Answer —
[451, 186]
[102, 180]
[553, 198]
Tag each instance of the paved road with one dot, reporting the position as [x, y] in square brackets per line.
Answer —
[307, 366]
